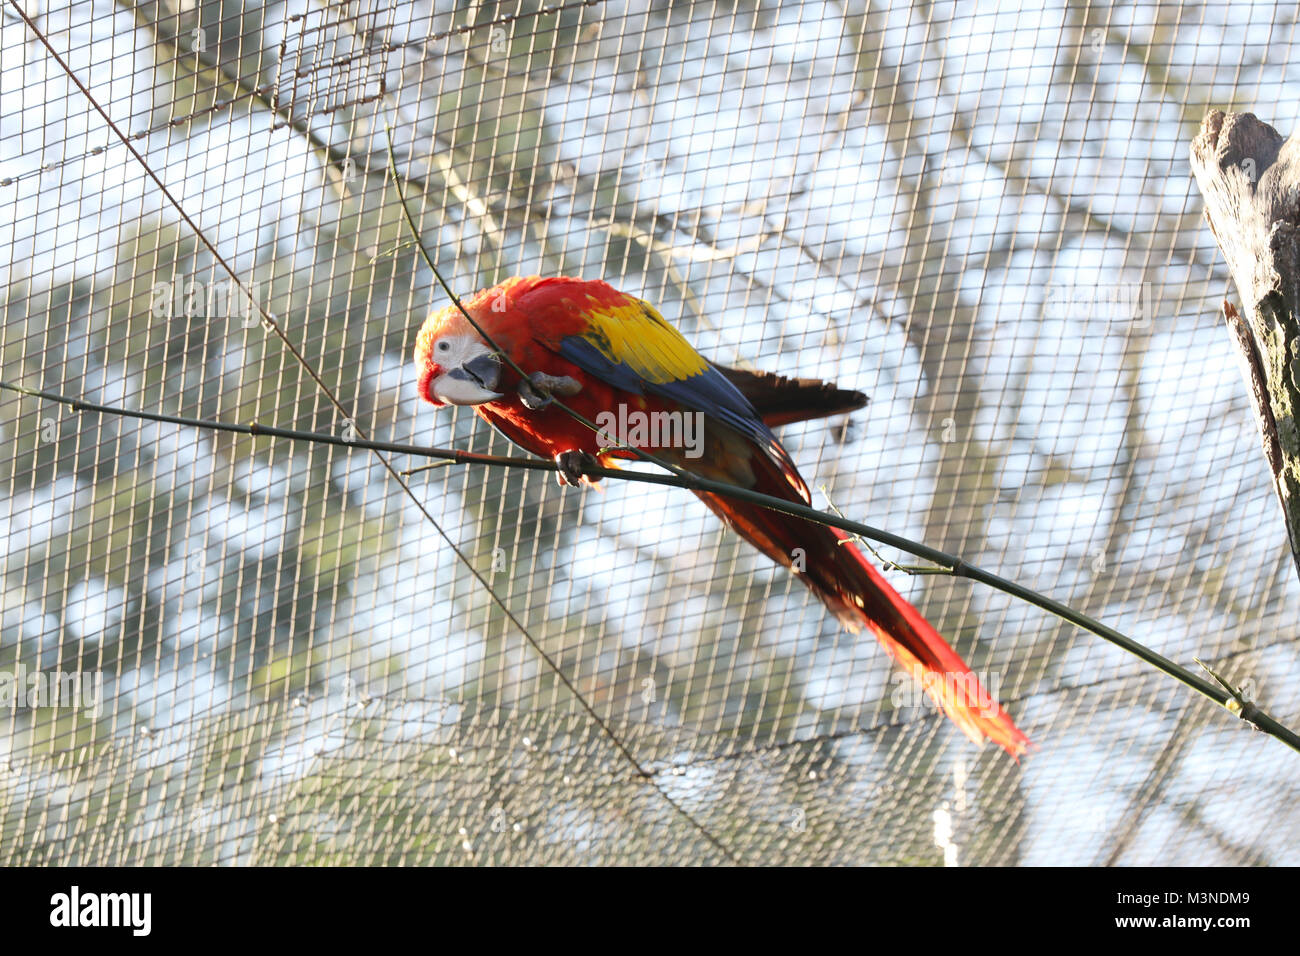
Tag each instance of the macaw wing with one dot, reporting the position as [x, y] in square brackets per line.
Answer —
[783, 401]
[632, 347]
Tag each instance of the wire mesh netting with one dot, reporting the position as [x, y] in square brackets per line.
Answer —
[980, 214]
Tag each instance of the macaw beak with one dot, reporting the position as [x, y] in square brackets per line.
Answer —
[470, 384]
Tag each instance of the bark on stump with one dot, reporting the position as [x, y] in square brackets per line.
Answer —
[1250, 178]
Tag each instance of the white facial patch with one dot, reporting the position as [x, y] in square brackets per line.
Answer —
[470, 371]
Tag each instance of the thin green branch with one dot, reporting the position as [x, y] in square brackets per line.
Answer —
[1229, 698]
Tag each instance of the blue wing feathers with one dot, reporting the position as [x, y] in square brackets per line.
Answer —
[709, 392]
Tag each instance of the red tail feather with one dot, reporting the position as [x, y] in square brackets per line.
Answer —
[847, 583]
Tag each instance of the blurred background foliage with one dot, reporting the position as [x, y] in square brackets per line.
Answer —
[982, 215]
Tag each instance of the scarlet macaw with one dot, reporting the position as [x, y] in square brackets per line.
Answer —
[597, 349]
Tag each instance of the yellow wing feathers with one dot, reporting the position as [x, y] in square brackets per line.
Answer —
[637, 336]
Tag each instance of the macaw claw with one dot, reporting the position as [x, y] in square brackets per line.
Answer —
[573, 465]
[540, 389]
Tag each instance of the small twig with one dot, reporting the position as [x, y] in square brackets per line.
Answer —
[393, 250]
[1238, 704]
[429, 467]
[889, 563]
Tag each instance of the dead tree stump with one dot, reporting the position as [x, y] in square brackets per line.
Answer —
[1250, 178]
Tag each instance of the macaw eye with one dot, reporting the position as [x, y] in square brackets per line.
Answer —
[444, 346]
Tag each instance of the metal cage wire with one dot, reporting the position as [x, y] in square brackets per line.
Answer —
[980, 214]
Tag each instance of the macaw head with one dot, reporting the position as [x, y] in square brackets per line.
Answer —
[456, 366]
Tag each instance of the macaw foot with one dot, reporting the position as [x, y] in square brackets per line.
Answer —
[572, 466]
[540, 389]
